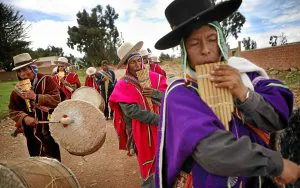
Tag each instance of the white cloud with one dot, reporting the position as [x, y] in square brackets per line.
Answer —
[247, 25]
[158, 10]
[49, 32]
[138, 30]
[69, 8]
[250, 5]
[286, 18]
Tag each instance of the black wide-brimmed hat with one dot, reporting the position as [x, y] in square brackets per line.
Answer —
[183, 15]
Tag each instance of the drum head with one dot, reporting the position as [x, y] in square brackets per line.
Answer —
[88, 94]
[87, 132]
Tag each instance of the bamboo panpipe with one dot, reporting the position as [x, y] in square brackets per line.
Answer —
[106, 88]
[25, 85]
[61, 74]
[143, 77]
[218, 99]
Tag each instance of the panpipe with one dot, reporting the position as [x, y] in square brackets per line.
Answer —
[144, 79]
[25, 85]
[219, 100]
[106, 83]
[106, 75]
[60, 74]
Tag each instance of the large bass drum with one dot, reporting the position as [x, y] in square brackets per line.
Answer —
[36, 172]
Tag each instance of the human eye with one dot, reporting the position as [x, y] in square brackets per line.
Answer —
[212, 38]
[193, 43]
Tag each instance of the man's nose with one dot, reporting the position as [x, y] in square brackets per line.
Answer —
[205, 49]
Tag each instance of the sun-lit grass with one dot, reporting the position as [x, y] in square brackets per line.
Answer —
[5, 91]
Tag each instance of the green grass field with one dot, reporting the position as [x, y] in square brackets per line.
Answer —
[5, 90]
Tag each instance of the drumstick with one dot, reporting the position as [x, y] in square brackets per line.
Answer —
[63, 120]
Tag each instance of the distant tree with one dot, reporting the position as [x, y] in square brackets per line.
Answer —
[249, 44]
[71, 58]
[13, 32]
[281, 40]
[273, 40]
[49, 51]
[96, 35]
[164, 57]
[233, 24]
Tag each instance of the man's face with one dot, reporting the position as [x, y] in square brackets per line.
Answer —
[202, 46]
[61, 68]
[25, 73]
[146, 59]
[134, 65]
[104, 67]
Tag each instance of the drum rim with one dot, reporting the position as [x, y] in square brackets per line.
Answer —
[82, 87]
[21, 179]
[95, 91]
[63, 165]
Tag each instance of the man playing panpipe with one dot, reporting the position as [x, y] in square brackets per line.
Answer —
[91, 78]
[29, 105]
[135, 118]
[107, 80]
[154, 67]
[67, 81]
[193, 140]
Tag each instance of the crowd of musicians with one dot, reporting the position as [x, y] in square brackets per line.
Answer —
[178, 137]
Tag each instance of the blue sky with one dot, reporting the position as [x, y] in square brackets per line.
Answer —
[270, 14]
[145, 20]
[36, 16]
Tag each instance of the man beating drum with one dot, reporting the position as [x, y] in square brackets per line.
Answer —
[31, 101]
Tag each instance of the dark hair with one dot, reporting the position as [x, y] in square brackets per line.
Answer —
[104, 62]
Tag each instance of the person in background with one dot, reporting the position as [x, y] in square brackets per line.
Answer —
[152, 66]
[107, 80]
[67, 81]
[136, 117]
[91, 78]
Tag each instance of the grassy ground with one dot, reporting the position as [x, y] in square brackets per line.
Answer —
[5, 90]
[292, 79]
[81, 75]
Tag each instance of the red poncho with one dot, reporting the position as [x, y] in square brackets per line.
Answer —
[127, 92]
